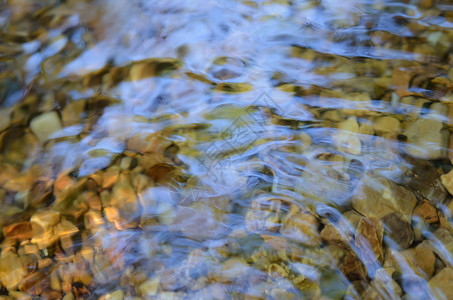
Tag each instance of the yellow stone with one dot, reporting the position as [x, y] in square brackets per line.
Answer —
[44, 125]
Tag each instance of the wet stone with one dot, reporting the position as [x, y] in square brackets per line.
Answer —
[427, 139]
[348, 262]
[424, 179]
[378, 197]
[368, 240]
[12, 270]
[398, 229]
[21, 231]
[441, 284]
[426, 212]
[301, 226]
[43, 126]
[264, 214]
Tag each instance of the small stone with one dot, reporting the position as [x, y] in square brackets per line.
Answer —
[43, 226]
[368, 240]
[366, 129]
[349, 125]
[346, 138]
[66, 228]
[425, 180]
[301, 226]
[447, 181]
[55, 281]
[233, 269]
[124, 197]
[386, 125]
[82, 272]
[264, 214]
[426, 212]
[125, 163]
[116, 295]
[427, 139]
[425, 259]
[398, 229]
[49, 294]
[330, 234]
[348, 262]
[72, 113]
[384, 283]
[150, 287]
[44, 125]
[352, 217]
[441, 284]
[12, 270]
[21, 231]
[34, 283]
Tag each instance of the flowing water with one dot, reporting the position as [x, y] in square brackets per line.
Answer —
[226, 149]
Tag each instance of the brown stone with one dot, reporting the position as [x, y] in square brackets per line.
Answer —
[12, 270]
[425, 259]
[447, 181]
[49, 294]
[441, 284]
[427, 139]
[398, 229]
[34, 283]
[385, 285]
[425, 180]
[301, 226]
[330, 234]
[426, 212]
[348, 262]
[21, 231]
[378, 197]
[368, 240]
[264, 214]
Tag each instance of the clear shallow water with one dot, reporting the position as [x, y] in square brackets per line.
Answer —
[207, 149]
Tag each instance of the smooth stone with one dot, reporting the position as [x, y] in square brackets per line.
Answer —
[447, 181]
[426, 212]
[425, 180]
[441, 284]
[398, 229]
[368, 240]
[44, 125]
[427, 139]
[378, 197]
[387, 124]
[301, 226]
[12, 270]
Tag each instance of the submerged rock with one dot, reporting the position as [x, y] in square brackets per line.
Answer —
[425, 180]
[441, 284]
[302, 226]
[368, 240]
[378, 197]
[44, 125]
[398, 229]
[427, 139]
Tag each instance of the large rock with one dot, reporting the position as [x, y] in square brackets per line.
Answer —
[378, 197]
